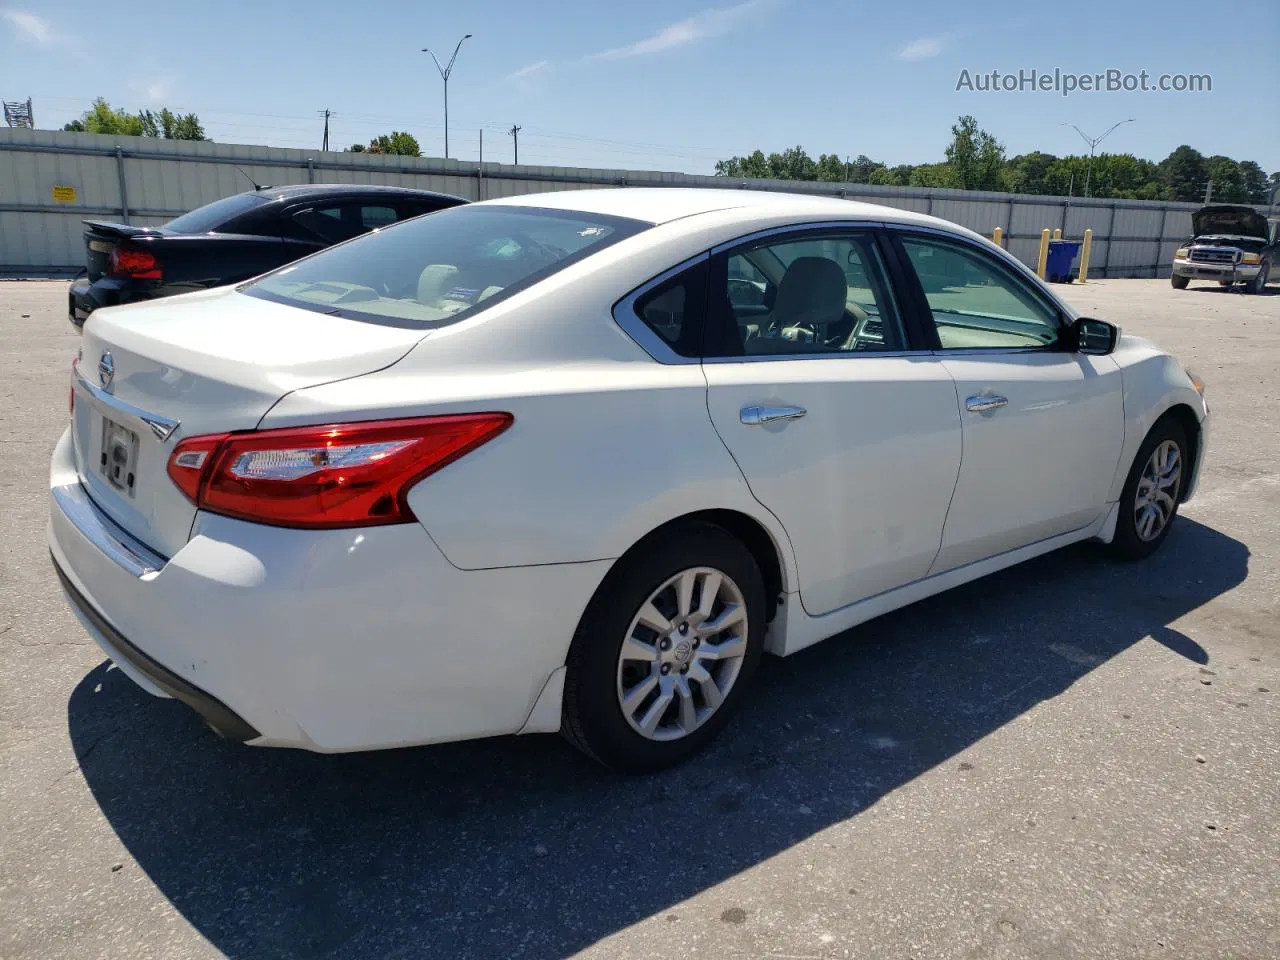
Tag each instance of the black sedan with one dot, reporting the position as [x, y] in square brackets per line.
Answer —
[233, 239]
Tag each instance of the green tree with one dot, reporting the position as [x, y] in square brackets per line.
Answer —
[933, 175]
[1255, 182]
[975, 157]
[792, 164]
[861, 169]
[1028, 172]
[1183, 175]
[103, 118]
[356, 148]
[397, 142]
[1228, 183]
[171, 126]
[751, 167]
[830, 168]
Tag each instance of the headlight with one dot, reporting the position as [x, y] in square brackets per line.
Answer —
[1195, 382]
[1251, 258]
[1181, 253]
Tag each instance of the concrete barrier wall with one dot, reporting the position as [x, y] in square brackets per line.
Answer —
[146, 181]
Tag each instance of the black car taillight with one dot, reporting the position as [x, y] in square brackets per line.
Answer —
[138, 264]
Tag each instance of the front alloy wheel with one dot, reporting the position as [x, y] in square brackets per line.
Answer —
[1149, 501]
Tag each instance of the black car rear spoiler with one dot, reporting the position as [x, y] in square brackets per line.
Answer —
[122, 231]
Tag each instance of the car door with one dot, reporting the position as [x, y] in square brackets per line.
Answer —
[851, 440]
[1043, 426]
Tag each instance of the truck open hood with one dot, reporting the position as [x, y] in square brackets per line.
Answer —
[1229, 221]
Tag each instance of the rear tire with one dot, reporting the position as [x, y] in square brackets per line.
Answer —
[1149, 502]
[661, 675]
[1179, 283]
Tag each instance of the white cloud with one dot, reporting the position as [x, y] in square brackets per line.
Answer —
[707, 23]
[29, 26]
[158, 91]
[530, 70]
[922, 49]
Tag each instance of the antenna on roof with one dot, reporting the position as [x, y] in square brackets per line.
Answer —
[256, 184]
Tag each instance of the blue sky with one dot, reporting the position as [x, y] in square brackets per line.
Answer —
[658, 85]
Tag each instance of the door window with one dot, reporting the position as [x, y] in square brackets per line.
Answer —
[804, 295]
[977, 302]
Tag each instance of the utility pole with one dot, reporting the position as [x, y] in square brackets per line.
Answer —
[846, 168]
[1093, 144]
[327, 114]
[515, 142]
[1208, 192]
[444, 75]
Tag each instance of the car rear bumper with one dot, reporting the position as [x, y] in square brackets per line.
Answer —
[1215, 271]
[328, 640]
[85, 296]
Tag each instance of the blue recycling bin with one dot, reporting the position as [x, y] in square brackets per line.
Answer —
[1062, 254]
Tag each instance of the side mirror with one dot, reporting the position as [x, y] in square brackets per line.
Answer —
[1096, 338]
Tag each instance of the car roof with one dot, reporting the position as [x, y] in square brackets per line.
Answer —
[656, 205]
[296, 190]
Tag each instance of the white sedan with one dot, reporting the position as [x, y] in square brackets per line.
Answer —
[575, 461]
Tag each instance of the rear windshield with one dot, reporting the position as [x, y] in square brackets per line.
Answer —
[443, 266]
[211, 216]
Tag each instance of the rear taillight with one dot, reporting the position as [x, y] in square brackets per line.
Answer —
[138, 264]
[337, 475]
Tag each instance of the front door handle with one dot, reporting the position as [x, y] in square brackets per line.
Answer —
[981, 404]
[754, 416]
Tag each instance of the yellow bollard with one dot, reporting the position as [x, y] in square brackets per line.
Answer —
[1084, 255]
[997, 236]
[1044, 252]
[1057, 233]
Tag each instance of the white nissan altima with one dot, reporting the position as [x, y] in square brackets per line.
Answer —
[575, 461]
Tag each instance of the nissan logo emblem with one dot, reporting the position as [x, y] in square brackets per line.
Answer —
[106, 369]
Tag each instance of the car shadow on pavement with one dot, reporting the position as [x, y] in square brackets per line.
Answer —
[518, 847]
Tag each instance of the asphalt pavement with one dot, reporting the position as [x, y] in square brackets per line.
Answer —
[1076, 758]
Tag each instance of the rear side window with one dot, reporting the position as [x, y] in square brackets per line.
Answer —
[211, 216]
[674, 310]
[442, 267]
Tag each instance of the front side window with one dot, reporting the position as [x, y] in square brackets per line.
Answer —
[804, 295]
[977, 302]
[442, 267]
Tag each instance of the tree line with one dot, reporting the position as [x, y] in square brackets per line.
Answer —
[103, 118]
[975, 160]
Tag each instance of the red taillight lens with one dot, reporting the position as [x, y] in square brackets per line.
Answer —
[139, 264]
[338, 475]
[190, 463]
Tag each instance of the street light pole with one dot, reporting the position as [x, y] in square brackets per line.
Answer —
[444, 75]
[1093, 144]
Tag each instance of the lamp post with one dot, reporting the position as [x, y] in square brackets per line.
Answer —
[1093, 144]
[444, 75]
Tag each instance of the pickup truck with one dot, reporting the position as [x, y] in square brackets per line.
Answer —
[1231, 245]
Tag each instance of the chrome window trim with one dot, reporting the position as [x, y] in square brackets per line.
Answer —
[820, 226]
[102, 532]
[832, 355]
[162, 427]
[633, 325]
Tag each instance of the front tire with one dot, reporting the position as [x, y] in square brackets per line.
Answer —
[1149, 501]
[1259, 281]
[664, 650]
[1179, 283]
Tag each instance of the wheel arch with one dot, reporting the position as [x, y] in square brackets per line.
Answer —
[1186, 418]
[750, 532]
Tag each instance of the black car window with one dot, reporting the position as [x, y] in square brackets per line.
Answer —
[212, 216]
[331, 223]
[674, 310]
[376, 216]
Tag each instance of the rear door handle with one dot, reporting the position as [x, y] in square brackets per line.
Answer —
[981, 404]
[754, 416]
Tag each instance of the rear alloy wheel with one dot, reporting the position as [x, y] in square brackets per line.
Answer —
[1151, 494]
[664, 650]
[1179, 283]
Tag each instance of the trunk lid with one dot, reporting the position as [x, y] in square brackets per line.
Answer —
[209, 362]
[1229, 221]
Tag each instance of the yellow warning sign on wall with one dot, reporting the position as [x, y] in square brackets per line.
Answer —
[64, 193]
